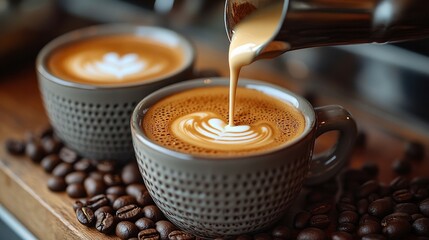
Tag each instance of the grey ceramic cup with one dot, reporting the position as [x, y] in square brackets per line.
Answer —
[94, 119]
[215, 198]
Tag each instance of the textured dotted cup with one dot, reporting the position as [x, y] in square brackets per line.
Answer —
[94, 119]
[223, 196]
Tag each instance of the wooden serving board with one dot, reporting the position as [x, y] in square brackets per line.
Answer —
[49, 215]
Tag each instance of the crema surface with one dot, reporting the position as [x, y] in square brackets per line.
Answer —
[114, 59]
[196, 122]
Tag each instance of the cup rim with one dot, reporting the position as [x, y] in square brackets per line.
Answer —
[111, 29]
[148, 101]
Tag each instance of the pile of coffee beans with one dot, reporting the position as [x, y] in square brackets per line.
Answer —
[113, 199]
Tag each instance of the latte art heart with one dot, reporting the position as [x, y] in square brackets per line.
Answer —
[206, 129]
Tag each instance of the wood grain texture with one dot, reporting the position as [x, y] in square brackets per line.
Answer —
[49, 215]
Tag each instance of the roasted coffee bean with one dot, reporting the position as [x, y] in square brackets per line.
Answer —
[371, 169]
[62, 169]
[341, 236]
[346, 227]
[394, 217]
[103, 209]
[153, 212]
[56, 184]
[415, 151]
[123, 201]
[129, 212]
[144, 199]
[126, 230]
[366, 217]
[51, 145]
[369, 227]
[348, 217]
[281, 232]
[416, 216]
[402, 195]
[367, 188]
[421, 227]
[164, 228]
[94, 187]
[402, 166]
[397, 229]
[85, 216]
[78, 204]
[381, 207]
[83, 164]
[399, 183]
[111, 179]
[135, 189]
[49, 162]
[373, 237]
[180, 235]
[105, 222]
[420, 193]
[112, 198]
[409, 208]
[424, 207]
[67, 155]
[116, 190]
[148, 234]
[362, 206]
[35, 151]
[75, 177]
[262, 236]
[131, 174]
[372, 197]
[321, 208]
[106, 166]
[311, 234]
[346, 199]
[76, 190]
[346, 207]
[97, 176]
[144, 223]
[15, 147]
[320, 221]
[301, 220]
[97, 201]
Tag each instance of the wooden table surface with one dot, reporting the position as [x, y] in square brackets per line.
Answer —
[49, 215]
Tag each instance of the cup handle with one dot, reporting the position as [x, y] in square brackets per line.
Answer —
[328, 164]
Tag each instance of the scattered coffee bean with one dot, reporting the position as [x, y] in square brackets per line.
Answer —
[362, 206]
[321, 208]
[97, 176]
[148, 234]
[416, 216]
[131, 174]
[366, 217]
[180, 235]
[93, 186]
[367, 188]
[83, 165]
[144, 199]
[399, 183]
[144, 223]
[75, 177]
[369, 227]
[56, 184]
[311, 234]
[105, 222]
[123, 201]
[373, 237]
[116, 190]
[397, 229]
[34, 151]
[103, 209]
[85, 216]
[152, 212]
[106, 166]
[424, 207]
[348, 217]
[301, 220]
[342, 206]
[409, 208]
[112, 198]
[346, 227]
[421, 227]
[62, 169]
[111, 179]
[76, 190]
[381, 207]
[15, 147]
[420, 193]
[394, 217]
[320, 221]
[403, 195]
[341, 236]
[281, 232]
[414, 151]
[126, 230]
[164, 228]
[49, 162]
[135, 189]
[129, 213]
[67, 155]
[51, 145]
[78, 204]
[401, 166]
[97, 201]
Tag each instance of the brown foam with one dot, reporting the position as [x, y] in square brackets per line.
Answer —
[252, 108]
[91, 49]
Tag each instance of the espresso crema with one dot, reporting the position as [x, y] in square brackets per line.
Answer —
[195, 122]
[114, 59]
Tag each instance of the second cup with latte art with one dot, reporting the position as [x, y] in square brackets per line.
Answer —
[92, 78]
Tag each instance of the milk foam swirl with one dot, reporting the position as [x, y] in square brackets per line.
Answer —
[206, 129]
[111, 66]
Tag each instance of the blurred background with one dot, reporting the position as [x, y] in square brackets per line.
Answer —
[390, 80]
